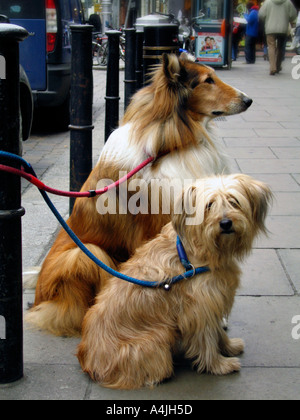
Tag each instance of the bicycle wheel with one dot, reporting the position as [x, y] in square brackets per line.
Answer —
[122, 50]
[95, 51]
[102, 55]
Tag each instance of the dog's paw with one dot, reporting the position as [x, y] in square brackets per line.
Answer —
[236, 346]
[224, 323]
[226, 365]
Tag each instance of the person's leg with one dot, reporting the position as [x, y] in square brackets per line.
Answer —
[281, 42]
[271, 40]
[247, 49]
[234, 49]
[253, 49]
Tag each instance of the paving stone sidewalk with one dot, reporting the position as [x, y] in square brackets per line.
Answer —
[263, 142]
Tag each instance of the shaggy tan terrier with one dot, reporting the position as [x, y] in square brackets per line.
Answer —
[132, 332]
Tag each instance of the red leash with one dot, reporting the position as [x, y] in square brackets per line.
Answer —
[91, 193]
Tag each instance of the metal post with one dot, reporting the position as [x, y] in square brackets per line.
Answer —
[158, 39]
[228, 43]
[81, 107]
[112, 83]
[139, 60]
[11, 310]
[130, 57]
[106, 14]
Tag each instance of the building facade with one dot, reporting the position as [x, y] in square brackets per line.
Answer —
[120, 13]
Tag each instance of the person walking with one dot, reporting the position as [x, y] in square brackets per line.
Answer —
[237, 34]
[251, 32]
[277, 14]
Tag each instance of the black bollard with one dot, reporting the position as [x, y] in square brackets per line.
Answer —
[112, 84]
[11, 310]
[81, 105]
[139, 60]
[130, 63]
[158, 39]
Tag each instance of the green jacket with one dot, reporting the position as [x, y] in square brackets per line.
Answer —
[277, 14]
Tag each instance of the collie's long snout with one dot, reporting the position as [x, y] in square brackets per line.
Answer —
[240, 104]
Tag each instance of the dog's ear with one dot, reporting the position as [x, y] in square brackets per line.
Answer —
[262, 204]
[171, 68]
[188, 210]
[187, 57]
[179, 72]
[188, 213]
[260, 197]
[179, 212]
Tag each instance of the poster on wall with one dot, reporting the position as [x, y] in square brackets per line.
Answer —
[210, 47]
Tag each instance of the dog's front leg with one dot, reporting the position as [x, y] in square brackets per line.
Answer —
[230, 346]
[210, 358]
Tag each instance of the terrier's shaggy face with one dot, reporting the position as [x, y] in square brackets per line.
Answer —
[234, 210]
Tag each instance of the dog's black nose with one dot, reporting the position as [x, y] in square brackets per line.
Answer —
[247, 101]
[226, 224]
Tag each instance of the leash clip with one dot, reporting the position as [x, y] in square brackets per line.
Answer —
[190, 267]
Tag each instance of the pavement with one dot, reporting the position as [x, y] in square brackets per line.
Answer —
[263, 142]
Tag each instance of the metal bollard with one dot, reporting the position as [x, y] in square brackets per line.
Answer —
[112, 84]
[139, 60]
[11, 308]
[81, 104]
[130, 63]
[158, 39]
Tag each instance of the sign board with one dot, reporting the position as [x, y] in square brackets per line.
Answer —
[210, 47]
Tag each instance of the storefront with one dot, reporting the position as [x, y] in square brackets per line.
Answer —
[239, 6]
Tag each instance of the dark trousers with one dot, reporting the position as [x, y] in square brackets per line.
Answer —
[235, 49]
[250, 48]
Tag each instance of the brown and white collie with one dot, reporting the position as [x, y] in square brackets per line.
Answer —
[171, 120]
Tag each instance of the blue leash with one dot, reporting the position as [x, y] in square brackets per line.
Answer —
[190, 270]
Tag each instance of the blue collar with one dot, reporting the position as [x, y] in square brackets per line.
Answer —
[191, 271]
[182, 255]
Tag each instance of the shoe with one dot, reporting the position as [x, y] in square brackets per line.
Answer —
[272, 73]
[278, 70]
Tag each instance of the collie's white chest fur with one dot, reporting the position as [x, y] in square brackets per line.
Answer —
[195, 162]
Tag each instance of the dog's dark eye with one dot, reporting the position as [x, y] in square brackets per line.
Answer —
[209, 206]
[234, 203]
[210, 81]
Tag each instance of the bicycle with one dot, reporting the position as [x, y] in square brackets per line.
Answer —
[100, 50]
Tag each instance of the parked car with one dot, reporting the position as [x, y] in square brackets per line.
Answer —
[46, 54]
[26, 105]
[26, 99]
